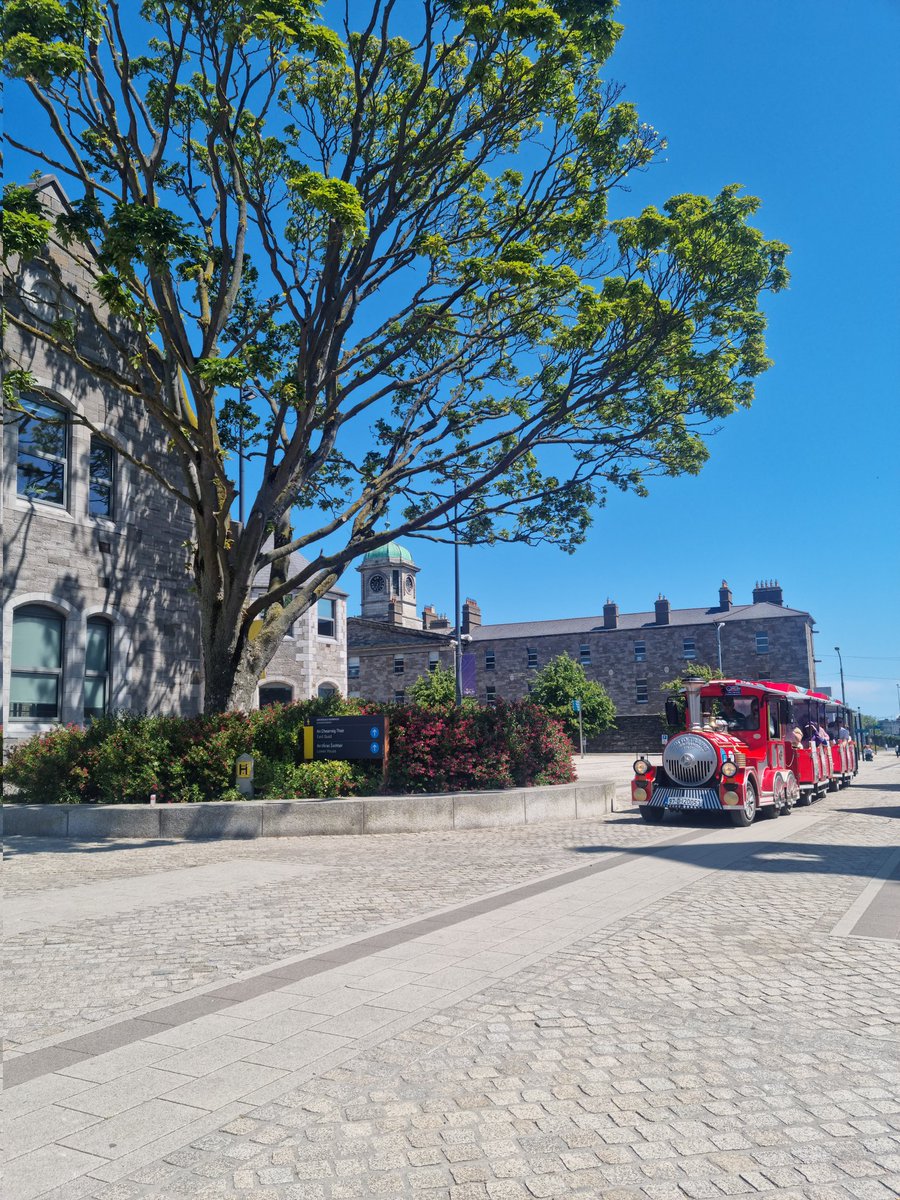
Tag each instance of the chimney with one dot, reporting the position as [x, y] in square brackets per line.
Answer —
[610, 614]
[724, 597]
[432, 619]
[471, 616]
[768, 592]
[662, 610]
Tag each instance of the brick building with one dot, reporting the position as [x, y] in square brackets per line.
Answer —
[97, 612]
[631, 654]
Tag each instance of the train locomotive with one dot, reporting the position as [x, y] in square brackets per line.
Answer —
[748, 748]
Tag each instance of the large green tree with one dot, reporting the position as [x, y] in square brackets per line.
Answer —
[381, 254]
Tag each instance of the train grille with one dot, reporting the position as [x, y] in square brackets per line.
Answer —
[689, 760]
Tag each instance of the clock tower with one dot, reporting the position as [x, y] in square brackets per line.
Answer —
[388, 584]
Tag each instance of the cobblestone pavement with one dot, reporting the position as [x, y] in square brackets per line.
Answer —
[718, 1015]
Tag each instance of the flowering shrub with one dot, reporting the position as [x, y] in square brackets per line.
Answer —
[126, 758]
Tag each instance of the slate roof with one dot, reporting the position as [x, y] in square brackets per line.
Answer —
[635, 621]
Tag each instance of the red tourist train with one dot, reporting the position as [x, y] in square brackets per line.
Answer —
[748, 749]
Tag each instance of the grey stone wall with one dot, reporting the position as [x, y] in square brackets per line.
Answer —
[376, 646]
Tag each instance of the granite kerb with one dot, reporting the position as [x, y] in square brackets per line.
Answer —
[443, 811]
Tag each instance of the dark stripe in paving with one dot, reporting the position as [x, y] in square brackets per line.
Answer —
[131, 1029]
[882, 918]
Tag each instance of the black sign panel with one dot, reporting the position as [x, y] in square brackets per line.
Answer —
[349, 737]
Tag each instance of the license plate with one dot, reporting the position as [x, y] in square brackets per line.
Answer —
[685, 802]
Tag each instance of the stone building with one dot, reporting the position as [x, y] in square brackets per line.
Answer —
[96, 604]
[631, 654]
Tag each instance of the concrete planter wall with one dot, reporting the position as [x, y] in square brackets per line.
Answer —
[302, 818]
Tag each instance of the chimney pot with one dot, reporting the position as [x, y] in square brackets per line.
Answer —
[725, 600]
[610, 615]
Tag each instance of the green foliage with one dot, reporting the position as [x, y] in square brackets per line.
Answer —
[563, 680]
[315, 780]
[436, 690]
[23, 224]
[702, 671]
[125, 758]
[391, 240]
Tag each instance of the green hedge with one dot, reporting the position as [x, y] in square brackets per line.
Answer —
[123, 759]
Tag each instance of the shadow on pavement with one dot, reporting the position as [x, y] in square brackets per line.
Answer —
[17, 845]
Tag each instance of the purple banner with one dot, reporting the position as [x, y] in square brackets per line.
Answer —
[469, 675]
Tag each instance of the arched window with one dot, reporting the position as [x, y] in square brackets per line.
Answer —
[327, 689]
[35, 689]
[96, 668]
[275, 693]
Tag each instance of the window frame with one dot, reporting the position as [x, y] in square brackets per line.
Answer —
[272, 685]
[326, 627]
[490, 660]
[40, 402]
[584, 654]
[110, 515]
[641, 685]
[353, 667]
[490, 693]
[43, 611]
[532, 659]
[434, 660]
[689, 655]
[640, 655]
[98, 621]
[762, 642]
[399, 664]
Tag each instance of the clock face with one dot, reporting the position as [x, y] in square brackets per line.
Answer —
[376, 583]
[410, 584]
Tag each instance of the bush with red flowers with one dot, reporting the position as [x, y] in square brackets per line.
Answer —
[125, 758]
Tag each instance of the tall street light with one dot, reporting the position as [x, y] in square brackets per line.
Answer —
[841, 664]
[457, 615]
[719, 627]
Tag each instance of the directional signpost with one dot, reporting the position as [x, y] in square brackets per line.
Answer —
[576, 708]
[352, 739]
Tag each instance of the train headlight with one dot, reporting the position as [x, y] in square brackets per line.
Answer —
[641, 766]
[729, 769]
[730, 798]
[640, 794]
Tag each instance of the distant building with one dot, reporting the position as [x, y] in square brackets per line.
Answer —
[96, 603]
[631, 654]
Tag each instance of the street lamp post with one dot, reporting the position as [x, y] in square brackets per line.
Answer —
[457, 614]
[719, 627]
[841, 663]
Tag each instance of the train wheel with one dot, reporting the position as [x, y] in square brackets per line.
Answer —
[804, 799]
[833, 785]
[744, 816]
[653, 816]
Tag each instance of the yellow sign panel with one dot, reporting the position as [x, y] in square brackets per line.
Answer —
[244, 770]
[307, 741]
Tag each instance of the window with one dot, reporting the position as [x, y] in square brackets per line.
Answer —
[353, 668]
[490, 694]
[326, 690]
[399, 697]
[395, 582]
[762, 643]
[326, 614]
[102, 481]
[37, 648]
[532, 660]
[584, 655]
[275, 693]
[490, 662]
[641, 695]
[43, 453]
[96, 669]
[434, 660]
[398, 664]
[640, 651]
[689, 648]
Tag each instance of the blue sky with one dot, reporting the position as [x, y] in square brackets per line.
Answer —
[799, 102]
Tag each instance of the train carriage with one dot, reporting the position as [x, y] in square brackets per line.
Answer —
[748, 748]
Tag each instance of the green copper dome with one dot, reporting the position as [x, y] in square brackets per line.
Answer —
[391, 552]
